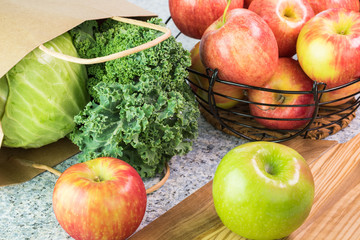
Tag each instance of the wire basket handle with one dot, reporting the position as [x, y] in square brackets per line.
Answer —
[166, 35]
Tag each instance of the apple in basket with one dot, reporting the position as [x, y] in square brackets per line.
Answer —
[321, 5]
[328, 47]
[193, 17]
[103, 198]
[263, 190]
[332, 97]
[288, 77]
[285, 18]
[218, 88]
[241, 46]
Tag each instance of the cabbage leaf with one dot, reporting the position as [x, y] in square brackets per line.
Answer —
[40, 96]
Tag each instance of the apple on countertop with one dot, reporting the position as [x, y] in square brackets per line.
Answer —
[104, 198]
[263, 190]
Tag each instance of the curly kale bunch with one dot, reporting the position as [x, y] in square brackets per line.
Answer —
[142, 110]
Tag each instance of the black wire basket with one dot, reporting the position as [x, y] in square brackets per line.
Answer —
[325, 120]
[238, 121]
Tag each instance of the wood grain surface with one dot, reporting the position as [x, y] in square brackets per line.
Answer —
[335, 211]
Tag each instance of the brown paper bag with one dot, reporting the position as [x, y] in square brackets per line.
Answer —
[25, 25]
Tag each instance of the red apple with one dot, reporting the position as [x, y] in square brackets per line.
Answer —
[192, 17]
[243, 48]
[285, 18]
[104, 198]
[328, 47]
[221, 88]
[288, 77]
[321, 5]
[332, 97]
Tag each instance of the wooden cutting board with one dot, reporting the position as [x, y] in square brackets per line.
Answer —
[335, 213]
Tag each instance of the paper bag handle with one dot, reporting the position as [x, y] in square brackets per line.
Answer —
[149, 190]
[166, 35]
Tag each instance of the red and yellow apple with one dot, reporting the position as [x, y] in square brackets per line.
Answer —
[241, 46]
[218, 88]
[285, 18]
[104, 198]
[333, 97]
[328, 47]
[288, 77]
[192, 17]
[321, 5]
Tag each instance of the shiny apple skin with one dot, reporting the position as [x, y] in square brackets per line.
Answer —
[288, 77]
[243, 49]
[285, 18]
[110, 209]
[192, 17]
[257, 203]
[322, 5]
[328, 47]
[221, 88]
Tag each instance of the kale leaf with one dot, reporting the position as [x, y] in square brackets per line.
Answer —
[142, 110]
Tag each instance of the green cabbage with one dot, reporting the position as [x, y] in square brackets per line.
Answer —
[40, 96]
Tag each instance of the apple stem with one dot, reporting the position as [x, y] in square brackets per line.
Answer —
[281, 98]
[226, 9]
[269, 169]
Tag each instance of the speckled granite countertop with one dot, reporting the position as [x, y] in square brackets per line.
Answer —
[26, 209]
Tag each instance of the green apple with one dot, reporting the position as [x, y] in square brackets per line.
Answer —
[263, 190]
